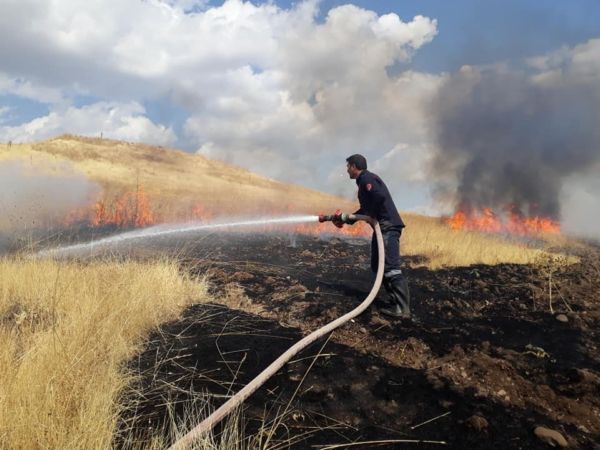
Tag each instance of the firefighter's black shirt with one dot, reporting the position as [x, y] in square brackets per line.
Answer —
[376, 201]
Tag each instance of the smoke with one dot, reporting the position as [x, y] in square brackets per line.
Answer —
[580, 201]
[34, 199]
[508, 137]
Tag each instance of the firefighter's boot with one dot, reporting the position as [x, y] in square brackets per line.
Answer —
[383, 302]
[397, 287]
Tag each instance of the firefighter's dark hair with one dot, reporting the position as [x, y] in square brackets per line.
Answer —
[358, 160]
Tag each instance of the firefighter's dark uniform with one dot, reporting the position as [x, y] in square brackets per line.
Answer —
[376, 201]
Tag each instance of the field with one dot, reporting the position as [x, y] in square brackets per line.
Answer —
[129, 346]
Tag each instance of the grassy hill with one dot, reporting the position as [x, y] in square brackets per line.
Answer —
[173, 179]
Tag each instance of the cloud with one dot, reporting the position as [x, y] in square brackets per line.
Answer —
[29, 90]
[4, 113]
[580, 64]
[130, 48]
[271, 89]
[113, 120]
[187, 5]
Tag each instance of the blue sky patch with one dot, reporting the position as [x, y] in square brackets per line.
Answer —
[20, 110]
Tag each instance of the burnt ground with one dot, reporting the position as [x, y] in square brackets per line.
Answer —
[488, 361]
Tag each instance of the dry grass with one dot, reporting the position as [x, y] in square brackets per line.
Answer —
[230, 438]
[65, 331]
[442, 246]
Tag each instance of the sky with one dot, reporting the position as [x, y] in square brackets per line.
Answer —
[289, 89]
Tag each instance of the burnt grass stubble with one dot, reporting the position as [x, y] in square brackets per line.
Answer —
[486, 347]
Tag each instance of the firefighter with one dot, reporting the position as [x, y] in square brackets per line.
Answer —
[376, 201]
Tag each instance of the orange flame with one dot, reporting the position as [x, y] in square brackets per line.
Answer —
[512, 222]
[201, 213]
[129, 210]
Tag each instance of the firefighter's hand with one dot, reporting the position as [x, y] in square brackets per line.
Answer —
[337, 218]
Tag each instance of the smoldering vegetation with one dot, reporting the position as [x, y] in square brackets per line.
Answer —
[35, 199]
[507, 137]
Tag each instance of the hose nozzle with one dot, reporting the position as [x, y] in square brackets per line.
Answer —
[342, 217]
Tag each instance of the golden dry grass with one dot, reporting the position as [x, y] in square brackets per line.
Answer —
[66, 330]
[442, 246]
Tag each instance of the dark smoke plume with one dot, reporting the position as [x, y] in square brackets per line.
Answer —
[505, 139]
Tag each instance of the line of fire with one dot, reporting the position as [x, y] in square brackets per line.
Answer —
[134, 209]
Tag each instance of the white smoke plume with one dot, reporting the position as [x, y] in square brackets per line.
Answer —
[35, 199]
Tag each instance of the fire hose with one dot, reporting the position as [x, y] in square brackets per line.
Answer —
[207, 424]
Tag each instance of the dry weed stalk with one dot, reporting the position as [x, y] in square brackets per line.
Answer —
[549, 266]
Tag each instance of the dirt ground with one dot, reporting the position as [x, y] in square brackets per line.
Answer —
[485, 365]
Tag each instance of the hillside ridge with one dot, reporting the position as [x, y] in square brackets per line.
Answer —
[172, 176]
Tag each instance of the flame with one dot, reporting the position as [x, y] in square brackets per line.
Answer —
[129, 210]
[132, 210]
[201, 213]
[511, 222]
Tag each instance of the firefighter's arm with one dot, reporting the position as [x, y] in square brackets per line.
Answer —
[360, 211]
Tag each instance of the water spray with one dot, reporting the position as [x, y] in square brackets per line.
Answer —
[168, 230]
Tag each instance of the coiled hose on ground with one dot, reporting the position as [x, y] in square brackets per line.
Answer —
[208, 423]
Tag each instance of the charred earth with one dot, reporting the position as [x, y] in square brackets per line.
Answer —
[485, 365]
